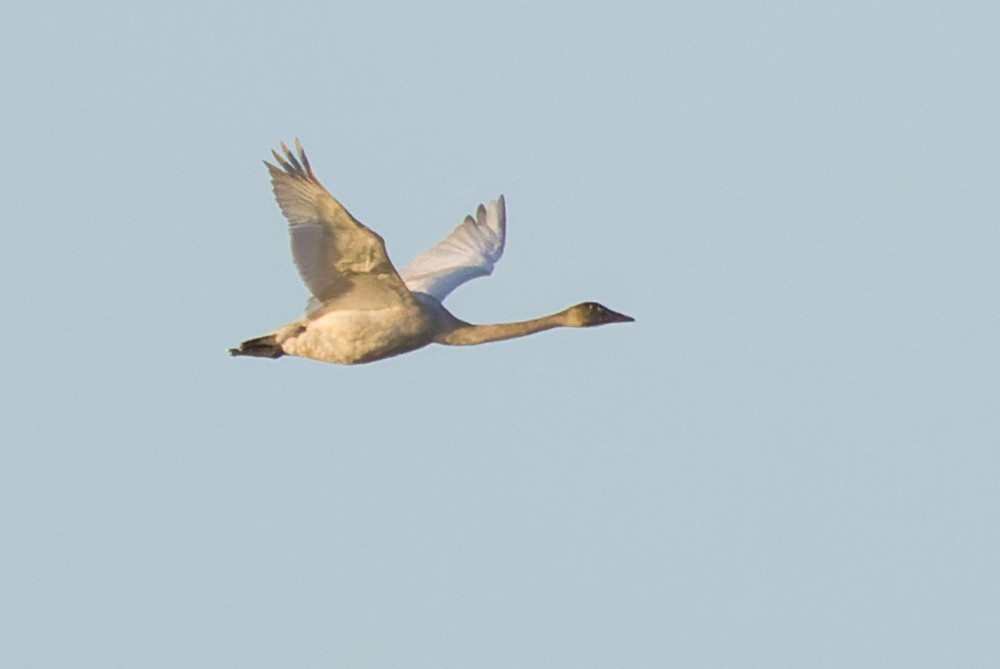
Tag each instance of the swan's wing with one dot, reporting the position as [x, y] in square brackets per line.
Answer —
[470, 251]
[338, 258]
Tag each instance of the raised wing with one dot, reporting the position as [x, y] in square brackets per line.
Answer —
[470, 251]
[339, 259]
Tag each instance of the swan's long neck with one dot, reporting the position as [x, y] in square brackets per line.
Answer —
[466, 334]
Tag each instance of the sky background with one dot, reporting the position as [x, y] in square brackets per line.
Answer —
[790, 459]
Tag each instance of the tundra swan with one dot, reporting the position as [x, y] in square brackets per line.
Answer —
[361, 308]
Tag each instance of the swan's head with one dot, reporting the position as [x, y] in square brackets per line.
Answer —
[591, 313]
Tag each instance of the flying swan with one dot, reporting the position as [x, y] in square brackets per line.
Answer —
[361, 308]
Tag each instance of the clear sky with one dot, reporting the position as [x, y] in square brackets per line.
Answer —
[790, 459]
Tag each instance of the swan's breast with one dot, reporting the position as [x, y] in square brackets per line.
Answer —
[349, 337]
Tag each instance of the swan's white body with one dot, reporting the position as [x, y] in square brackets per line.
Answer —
[361, 308]
[350, 337]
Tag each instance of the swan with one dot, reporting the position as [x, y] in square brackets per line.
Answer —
[362, 309]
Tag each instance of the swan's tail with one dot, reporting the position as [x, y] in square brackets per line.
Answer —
[261, 347]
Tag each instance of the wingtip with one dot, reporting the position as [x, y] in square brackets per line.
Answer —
[297, 166]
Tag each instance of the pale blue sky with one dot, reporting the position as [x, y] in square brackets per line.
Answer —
[789, 460]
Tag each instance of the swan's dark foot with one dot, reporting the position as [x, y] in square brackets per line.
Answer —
[261, 347]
